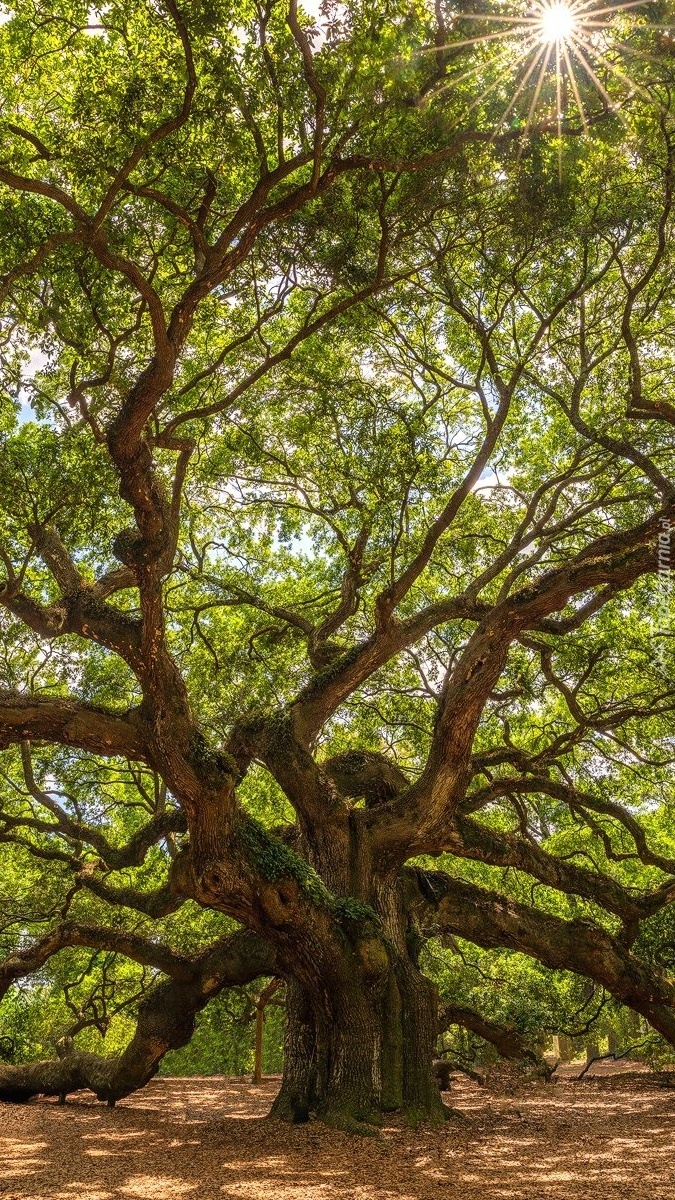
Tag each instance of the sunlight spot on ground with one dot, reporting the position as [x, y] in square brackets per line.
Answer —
[155, 1187]
[11, 1146]
[82, 1191]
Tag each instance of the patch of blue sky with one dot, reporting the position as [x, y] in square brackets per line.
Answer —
[35, 362]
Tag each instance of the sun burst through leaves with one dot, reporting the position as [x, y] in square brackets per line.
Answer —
[557, 22]
[561, 54]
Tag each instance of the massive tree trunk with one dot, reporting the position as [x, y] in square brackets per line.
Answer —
[333, 1051]
[361, 1030]
[361, 1051]
[298, 1094]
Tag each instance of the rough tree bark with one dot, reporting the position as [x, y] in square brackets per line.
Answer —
[364, 1044]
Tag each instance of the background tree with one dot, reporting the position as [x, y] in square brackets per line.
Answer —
[330, 547]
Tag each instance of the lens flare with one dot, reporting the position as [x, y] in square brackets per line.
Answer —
[559, 55]
[557, 22]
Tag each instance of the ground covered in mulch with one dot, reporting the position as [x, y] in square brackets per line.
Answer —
[610, 1135]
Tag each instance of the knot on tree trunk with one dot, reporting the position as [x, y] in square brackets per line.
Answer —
[367, 775]
[280, 902]
[374, 960]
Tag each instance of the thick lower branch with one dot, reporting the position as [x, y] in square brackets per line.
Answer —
[166, 1021]
[507, 1041]
[442, 904]
[70, 722]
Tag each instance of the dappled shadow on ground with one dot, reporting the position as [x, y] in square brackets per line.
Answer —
[609, 1138]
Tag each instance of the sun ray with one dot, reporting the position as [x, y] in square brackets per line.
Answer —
[632, 83]
[475, 41]
[575, 88]
[583, 5]
[523, 84]
[577, 49]
[537, 92]
[505, 57]
[464, 16]
[619, 8]
[482, 37]
[642, 54]
[558, 106]
[496, 83]
[608, 25]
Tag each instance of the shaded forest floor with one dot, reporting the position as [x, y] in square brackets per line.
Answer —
[608, 1136]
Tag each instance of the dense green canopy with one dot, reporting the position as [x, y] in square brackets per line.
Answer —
[335, 519]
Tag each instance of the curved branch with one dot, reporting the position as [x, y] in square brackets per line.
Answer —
[441, 903]
[577, 801]
[166, 1021]
[131, 854]
[479, 842]
[507, 1041]
[417, 818]
[97, 937]
[71, 722]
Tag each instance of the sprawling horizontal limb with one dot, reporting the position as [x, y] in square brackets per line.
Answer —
[98, 937]
[507, 1041]
[473, 839]
[71, 722]
[165, 1022]
[578, 800]
[443, 904]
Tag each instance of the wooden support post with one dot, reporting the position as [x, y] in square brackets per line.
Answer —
[562, 1047]
[592, 1051]
[257, 1058]
[260, 1006]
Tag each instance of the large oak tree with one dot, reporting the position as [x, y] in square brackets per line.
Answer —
[336, 545]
